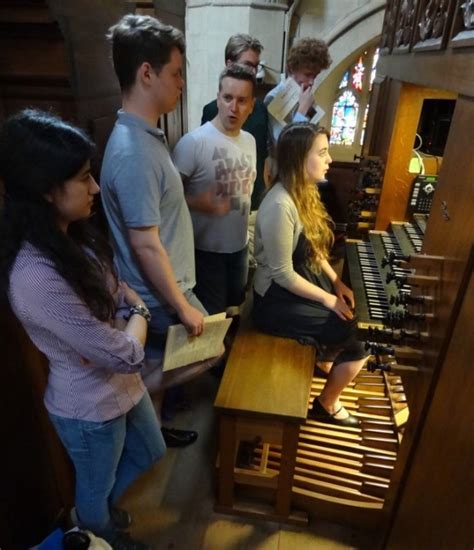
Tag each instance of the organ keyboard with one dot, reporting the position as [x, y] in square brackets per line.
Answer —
[409, 236]
[372, 278]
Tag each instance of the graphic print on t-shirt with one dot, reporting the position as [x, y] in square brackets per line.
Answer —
[234, 177]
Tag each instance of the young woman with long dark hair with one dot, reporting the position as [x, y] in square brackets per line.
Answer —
[297, 294]
[59, 278]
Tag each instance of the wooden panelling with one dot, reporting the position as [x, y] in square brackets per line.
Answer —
[455, 189]
[453, 70]
[436, 508]
[374, 121]
[343, 178]
[384, 113]
[388, 27]
[397, 181]
[36, 479]
[33, 60]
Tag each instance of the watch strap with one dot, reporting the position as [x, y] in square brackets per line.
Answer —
[139, 309]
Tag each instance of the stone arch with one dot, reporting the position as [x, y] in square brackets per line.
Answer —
[347, 35]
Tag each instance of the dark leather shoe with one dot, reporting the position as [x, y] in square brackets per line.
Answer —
[320, 414]
[120, 517]
[123, 541]
[178, 438]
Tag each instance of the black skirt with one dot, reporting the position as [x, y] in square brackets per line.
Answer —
[282, 313]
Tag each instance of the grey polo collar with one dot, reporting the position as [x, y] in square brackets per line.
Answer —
[129, 119]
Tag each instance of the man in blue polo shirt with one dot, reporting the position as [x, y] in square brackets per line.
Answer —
[142, 192]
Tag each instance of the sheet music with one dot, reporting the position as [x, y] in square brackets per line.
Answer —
[285, 101]
[283, 104]
[182, 349]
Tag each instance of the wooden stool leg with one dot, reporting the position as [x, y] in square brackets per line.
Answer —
[227, 446]
[287, 469]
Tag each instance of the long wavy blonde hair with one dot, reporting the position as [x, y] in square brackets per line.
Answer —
[293, 147]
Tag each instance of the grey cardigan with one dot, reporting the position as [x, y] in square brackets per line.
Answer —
[277, 230]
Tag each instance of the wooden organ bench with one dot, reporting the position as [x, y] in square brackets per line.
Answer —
[263, 397]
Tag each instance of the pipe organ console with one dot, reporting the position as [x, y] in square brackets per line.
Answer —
[355, 472]
[349, 474]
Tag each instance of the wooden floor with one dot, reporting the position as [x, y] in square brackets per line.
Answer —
[172, 504]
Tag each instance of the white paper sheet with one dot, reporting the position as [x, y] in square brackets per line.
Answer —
[182, 349]
[283, 104]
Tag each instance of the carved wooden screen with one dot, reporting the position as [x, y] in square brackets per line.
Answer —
[388, 28]
[462, 34]
[433, 24]
[405, 26]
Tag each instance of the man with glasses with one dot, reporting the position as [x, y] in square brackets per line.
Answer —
[245, 50]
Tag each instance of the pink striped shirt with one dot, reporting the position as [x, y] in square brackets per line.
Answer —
[62, 326]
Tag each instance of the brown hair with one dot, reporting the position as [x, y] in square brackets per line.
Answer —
[240, 43]
[239, 72]
[309, 54]
[293, 147]
[137, 39]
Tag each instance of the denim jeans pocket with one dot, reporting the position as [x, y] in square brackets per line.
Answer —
[75, 433]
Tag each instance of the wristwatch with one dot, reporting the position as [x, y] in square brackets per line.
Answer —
[139, 309]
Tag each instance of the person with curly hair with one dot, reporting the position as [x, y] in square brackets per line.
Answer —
[306, 59]
[60, 280]
[297, 294]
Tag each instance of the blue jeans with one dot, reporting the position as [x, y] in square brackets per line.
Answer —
[108, 456]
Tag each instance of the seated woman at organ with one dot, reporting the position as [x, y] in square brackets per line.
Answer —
[297, 294]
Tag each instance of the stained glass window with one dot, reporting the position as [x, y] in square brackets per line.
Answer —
[345, 80]
[374, 68]
[364, 124]
[351, 107]
[344, 119]
[358, 74]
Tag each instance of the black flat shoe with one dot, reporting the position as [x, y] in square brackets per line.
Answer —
[319, 413]
[178, 438]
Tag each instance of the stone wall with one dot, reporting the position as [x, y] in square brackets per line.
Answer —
[209, 24]
[347, 26]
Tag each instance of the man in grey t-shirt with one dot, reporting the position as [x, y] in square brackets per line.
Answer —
[217, 162]
[142, 192]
